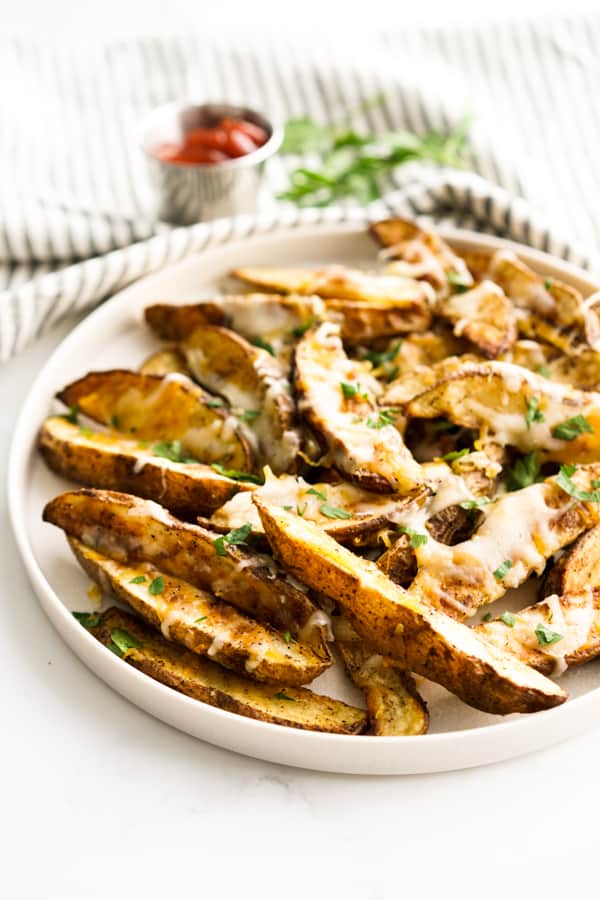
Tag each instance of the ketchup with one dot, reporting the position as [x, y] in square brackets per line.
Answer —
[229, 139]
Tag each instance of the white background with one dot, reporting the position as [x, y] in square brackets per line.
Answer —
[98, 800]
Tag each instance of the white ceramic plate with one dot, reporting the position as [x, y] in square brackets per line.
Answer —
[114, 336]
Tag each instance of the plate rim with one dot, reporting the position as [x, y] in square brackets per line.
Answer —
[151, 696]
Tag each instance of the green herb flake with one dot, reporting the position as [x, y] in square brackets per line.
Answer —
[201, 619]
[487, 617]
[533, 412]
[503, 569]
[572, 428]
[317, 493]
[156, 586]
[380, 358]
[546, 636]
[334, 512]
[215, 403]
[72, 416]
[300, 511]
[249, 415]
[281, 695]
[264, 345]
[509, 619]
[456, 454]
[350, 391]
[547, 284]
[546, 371]
[384, 417]
[115, 421]
[88, 620]
[416, 538]
[301, 330]
[139, 579]
[462, 283]
[444, 425]
[525, 471]
[475, 504]
[287, 636]
[86, 432]
[173, 451]
[236, 475]
[123, 641]
[236, 537]
[565, 481]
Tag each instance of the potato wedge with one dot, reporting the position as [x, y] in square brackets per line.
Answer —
[254, 383]
[165, 362]
[132, 530]
[414, 381]
[197, 620]
[350, 512]
[399, 625]
[520, 532]
[365, 321]
[553, 634]
[393, 702]
[338, 400]
[484, 315]
[108, 460]
[203, 680]
[519, 408]
[161, 409]
[421, 253]
[578, 569]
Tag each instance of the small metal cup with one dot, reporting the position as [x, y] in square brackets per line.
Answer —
[189, 193]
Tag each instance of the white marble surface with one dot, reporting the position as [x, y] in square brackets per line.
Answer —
[99, 800]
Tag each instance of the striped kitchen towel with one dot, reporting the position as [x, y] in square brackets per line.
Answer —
[76, 211]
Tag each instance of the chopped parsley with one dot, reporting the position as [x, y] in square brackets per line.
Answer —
[384, 417]
[475, 504]
[334, 512]
[300, 511]
[487, 617]
[547, 284]
[249, 415]
[350, 391]
[215, 403]
[281, 695]
[201, 619]
[416, 538]
[546, 371]
[455, 454]
[546, 636]
[173, 451]
[301, 330]
[509, 619]
[287, 636]
[533, 412]
[525, 471]
[379, 359]
[157, 585]
[317, 493]
[72, 416]
[115, 421]
[88, 620]
[86, 432]
[503, 569]
[236, 537]
[565, 481]
[462, 283]
[122, 641]
[264, 345]
[139, 579]
[572, 428]
[444, 425]
[236, 474]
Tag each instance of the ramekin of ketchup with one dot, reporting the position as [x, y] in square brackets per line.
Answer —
[206, 160]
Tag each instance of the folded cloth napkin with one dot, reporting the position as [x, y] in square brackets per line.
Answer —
[76, 213]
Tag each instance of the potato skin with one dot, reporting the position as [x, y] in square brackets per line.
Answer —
[108, 461]
[398, 625]
[578, 569]
[206, 681]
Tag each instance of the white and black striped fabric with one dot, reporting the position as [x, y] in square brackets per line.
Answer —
[76, 210]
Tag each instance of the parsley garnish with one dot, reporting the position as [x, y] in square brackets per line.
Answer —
[173, 451]
[280, 695]
[547, 284]
[115, 421]
[72, 416]
[503, 569]
[384, 417]
[237, 537]
[475, 504]
[215, 403]
[334, 512]
[249, 415]
[139, 579]
[546, 636]
[525, 471]
[236, 474]
[509, 619]
[201, 619]
[264, 345]
[461, 282]
[86, 432]
[317, 493]
[301, 330]
[88, 620]
[287, 636]
[352, 390]
[546, 371]
[122, 641]
[157, 585]
[352, 165]
[417, 539]
[380, 358]
[533, 412]
[487, 617]
[456, 454]
[300, 512]
[572, 428]
[565, 481]
[444, 425]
